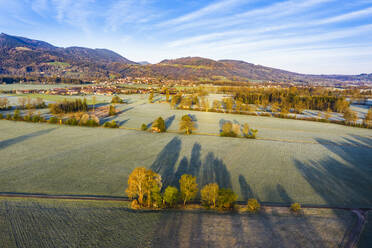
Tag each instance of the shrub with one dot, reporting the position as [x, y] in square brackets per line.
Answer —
[226, 199]
[144, 127]
[91, 123]
[116, 99]
[253, 205]
[1, 116]
[295, 207]
[36, 118]
[111, 124]
[53, 120]
[8, 116]
[72, 122]
[171, 196]
[16, 115]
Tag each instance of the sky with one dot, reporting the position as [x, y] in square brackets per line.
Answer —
[309, 36]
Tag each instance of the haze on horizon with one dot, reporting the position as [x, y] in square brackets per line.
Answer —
[309, 36]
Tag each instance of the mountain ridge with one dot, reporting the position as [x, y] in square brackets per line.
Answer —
[22, 56]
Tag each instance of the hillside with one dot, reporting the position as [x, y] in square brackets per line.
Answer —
[21, 56]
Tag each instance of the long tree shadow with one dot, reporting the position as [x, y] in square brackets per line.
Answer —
[214, 170]
[169, 121]
[10, 142]
[166, 161]
[192, 167]
[245, 189]
[346, 181]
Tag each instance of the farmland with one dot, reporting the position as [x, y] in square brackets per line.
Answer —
[293, 161]
[56, 223]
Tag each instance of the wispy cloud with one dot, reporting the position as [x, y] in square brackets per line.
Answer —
[136, 12]
[209, 9]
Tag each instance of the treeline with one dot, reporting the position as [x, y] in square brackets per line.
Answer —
[65, 106]
[298, 99]
[9, 79]
[146, 190]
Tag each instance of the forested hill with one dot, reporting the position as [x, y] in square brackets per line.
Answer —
[23, 56]
[26, 57]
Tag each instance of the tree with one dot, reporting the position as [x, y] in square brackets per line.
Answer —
[188, 188]
[94, 103]
[144, 127]
[140, 183]
[227, 130]
[205, 104]
[112, 110]
[229, 103]
[246, 130]
[350, 116]
[171, 196]
[158, 125]
[209, 194]
[186, 124]
[226, 199]
[253, 205]
[116, 99]
[368, 117]
[22, 102]
[295, 207]
[173, 102]
[151, 97]
[216, 105]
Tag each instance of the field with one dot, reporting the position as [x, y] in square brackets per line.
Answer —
[66, 223]
[308, 162]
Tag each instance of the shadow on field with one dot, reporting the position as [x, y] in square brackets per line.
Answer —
[9, 142]
[346, 181]
[211, 170]
[245, 189]
[169, 121]
[120, 123]
[166, 161]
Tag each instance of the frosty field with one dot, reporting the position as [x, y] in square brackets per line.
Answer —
[66, 223]
[308, 162]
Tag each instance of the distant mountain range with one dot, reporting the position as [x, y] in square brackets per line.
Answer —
[22, 56]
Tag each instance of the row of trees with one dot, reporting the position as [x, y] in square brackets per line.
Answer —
[145, 189]
[230, 129]
[28, 103]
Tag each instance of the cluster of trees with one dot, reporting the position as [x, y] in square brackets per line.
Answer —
[28, 103]
[145, 189]
[230, 129]
[69, 106]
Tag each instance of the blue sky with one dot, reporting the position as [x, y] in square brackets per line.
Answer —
[309, 36]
